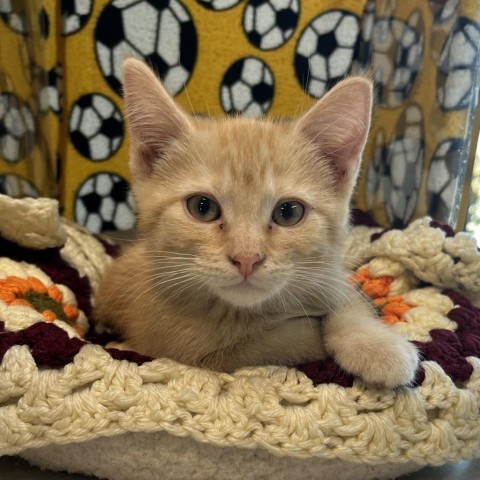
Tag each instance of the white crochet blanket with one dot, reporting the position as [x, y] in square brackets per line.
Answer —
[70, 410]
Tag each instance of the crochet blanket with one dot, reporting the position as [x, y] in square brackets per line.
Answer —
[59, 386]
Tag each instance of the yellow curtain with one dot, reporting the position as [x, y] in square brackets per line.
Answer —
[29, 103]
[62, 132]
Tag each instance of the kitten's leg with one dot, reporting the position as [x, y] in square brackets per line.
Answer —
[369, 349]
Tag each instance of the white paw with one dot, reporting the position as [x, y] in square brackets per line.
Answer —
[389, 360]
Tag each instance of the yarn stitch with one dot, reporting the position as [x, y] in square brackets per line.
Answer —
[32, 293]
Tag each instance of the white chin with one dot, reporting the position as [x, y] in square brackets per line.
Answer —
[243, 295]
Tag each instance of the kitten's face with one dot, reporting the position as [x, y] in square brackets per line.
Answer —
[242, 209]
[243, 189]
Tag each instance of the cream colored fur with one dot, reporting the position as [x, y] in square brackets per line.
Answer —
[177, 294]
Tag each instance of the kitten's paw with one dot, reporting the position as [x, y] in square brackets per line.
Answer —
[389, 361]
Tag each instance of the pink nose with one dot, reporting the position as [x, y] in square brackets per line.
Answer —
[246, 264]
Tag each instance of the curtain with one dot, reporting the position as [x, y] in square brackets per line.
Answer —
[62, 132]
[29, 103]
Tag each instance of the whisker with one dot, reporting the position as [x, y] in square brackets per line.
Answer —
[318, 298]
[326, 289]
[161, 292]
[170, 252]
[157, 274]
[302, 307]
[162, 297]
[128, 283]
[118, 239]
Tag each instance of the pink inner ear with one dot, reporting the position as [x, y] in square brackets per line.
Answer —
[155, 120]
[338, 126]
[142, 159]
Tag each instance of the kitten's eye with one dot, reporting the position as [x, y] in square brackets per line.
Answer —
[288, 213]
[203, 208]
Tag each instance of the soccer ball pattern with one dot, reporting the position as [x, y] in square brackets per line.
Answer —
[13, 14]
[397, 50]
[75, 14]
[219, 4]
[375, 170]
[50, 94]
[162, 33]
[247, 88]
[96, 127]
[403, 168]
[444, 179]
[270, 23]
[444, 11]
[250, 57]
[17, 187]
[457, 70]
[17, 128]
[325, 51]
[44, 23]
[103, 202]
[364, 44]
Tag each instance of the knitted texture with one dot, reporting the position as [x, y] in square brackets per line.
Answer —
[40, 226]
[57, 388]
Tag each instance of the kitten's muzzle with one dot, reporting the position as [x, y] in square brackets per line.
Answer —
[247, 264]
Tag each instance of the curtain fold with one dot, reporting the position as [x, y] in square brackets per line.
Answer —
[29, 103]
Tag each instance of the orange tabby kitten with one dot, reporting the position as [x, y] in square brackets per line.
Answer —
[241, 226]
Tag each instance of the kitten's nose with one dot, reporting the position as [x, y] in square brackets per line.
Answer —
[246, 264]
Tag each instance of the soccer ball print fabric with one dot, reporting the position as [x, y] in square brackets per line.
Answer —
[63, 97]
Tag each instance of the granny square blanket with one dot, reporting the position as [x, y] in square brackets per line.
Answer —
[59, 385]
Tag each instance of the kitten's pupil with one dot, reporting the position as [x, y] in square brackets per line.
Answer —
[203, 206]
[286, 211]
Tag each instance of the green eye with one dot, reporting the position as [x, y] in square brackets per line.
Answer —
[203, 208]
[288, 213]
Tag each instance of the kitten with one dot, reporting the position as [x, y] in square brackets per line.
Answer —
[241, 226]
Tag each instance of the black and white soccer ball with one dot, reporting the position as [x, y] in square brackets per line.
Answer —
[397, 53]
[325, 51]
[96, 126]
[75, 14]
[403, 168]
[458, 66]
[17, 128]
[162, 33]
[16, 186]
[13, 14]
[363, 50]
[44, 23]
[375, 169]
[270, 23]
[218, 5]
[247, 88]
[104, 203]
[444, 177]
[50, 94]
[443, 10]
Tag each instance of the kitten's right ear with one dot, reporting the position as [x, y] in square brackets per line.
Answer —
[337, 125]
[155, 120]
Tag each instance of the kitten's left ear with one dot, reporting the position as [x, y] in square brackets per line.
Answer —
[338, 126]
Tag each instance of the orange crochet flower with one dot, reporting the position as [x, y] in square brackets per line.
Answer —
[391, 309]
[31, 292]
[373, 287]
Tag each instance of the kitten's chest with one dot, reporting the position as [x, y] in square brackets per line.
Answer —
[223, 328]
